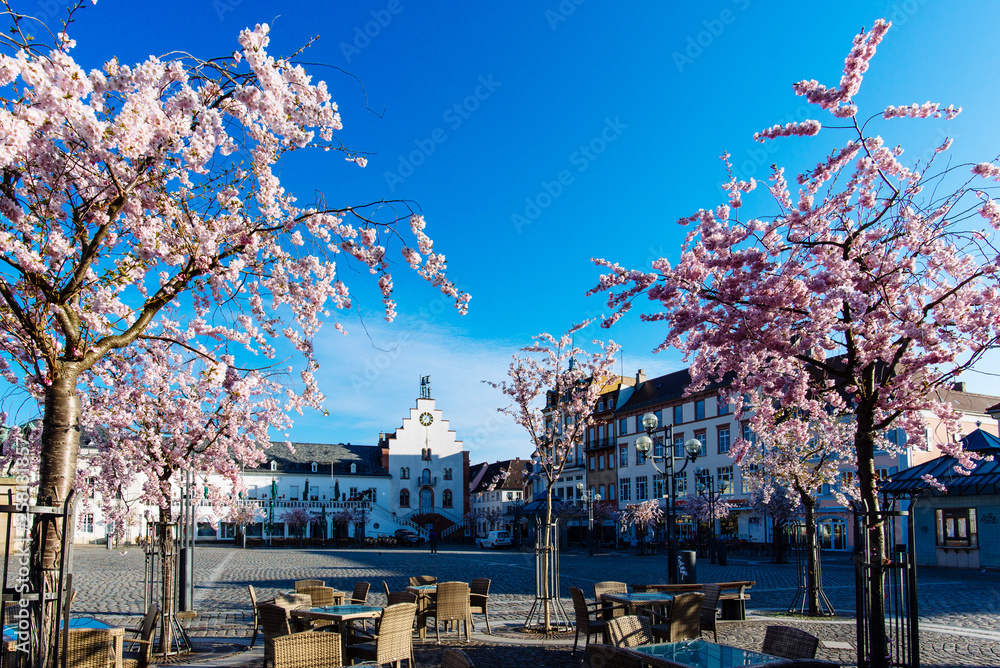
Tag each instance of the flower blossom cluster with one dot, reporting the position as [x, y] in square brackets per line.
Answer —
[808, 128]
[925, 110]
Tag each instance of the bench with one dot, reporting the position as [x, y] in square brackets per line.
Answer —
[732, 600]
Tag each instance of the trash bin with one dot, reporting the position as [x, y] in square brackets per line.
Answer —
[688, 567]
[723, 552]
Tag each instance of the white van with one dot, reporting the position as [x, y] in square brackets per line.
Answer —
[495, 539]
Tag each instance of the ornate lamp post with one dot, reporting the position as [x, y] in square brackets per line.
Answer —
[692, 447]
[707, 487]
[589, 497]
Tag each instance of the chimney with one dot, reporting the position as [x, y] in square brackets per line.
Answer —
[640, 377]
[958, 387]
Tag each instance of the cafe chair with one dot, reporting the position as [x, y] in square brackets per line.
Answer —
[393, 638]
[299, 584]
[307, 649]
[452, 605]
[587, 620]
[456, 658]
[141, 646]
[610, 587]
[360, 594]
[401, 597]
[684, 621]
[630, 631]
[710, 609]
[385, 588]
[479, 596]
[94, 648]
[789, 643]
[319, 596]
[609, 656]
[256, 616]
[296, 600]
[276, 622]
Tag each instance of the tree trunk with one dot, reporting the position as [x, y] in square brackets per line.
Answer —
[57, 473]
[778, 543]
[546, 556]
[864, 443]
[165, 546]
[812, 557]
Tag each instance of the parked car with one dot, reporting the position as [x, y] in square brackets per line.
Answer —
[495, 539]
[408, 537]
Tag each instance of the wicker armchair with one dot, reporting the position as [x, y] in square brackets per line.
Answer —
[479, 596]
[360, 594]
[610, 587]
[630, 631]
[393, 641]
[584, 623]
[452, 605]
[276, 622]
[417, 580]
[141, 646]
[254, 602]
[456, 658]
[401, 597]
[789, 643]
[609, 656]
[319, 595]
[308, 649]
[299, 584]
[94, 648]
[684, 621]
[710, 609]
[290, 601]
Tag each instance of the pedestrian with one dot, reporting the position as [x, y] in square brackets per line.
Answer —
[434, 541]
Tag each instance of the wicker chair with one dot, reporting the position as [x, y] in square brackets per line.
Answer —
[479, 596]
[684, 621]
[94, 648]
[385, 588]
[417, 580]
[290, 601]
[609, 656]
[308, 649]
[256, 617]
[710, 609]
[456, 658]
[141, 646]
[360, 594]
[452, 605]
[610, 587]
[393, 641]
[584, 623]
[789, 643]
[319, 595]
[401, 597]
[299, 584]
[276, 622]
[630, 631]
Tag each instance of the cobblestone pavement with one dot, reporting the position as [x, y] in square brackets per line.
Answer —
[959, 610]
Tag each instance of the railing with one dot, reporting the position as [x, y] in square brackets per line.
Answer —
[427, 481]
[432, 510]
[388, 516]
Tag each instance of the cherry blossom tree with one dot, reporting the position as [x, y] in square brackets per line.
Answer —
[782, 506]
[297, 519]
[851, 300]
[128, 188]
[642, 516]
[553, 389]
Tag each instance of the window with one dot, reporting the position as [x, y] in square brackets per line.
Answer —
[659, 417]
[274, 466]
[354, 468]
[591, 461]
[625, 491]
[640, 458]
[600, 462]
[87, 523]
[680, 484]
[725, 479]
[723, 406]
[559, 492]
[700, 435]
[622, 429]
[679, 446]
[747, 476]
[658, 486]
[748, 434]
[611, 459]
[404, 498]
[956, 527]
[723, 440]
[447, 474]
[658, 447]
[354, 493]
[701, 477]
[425, 454]
[846, 479]
[611, 492]
[314, 467]
[679, 414]
[641, 488]
[404, 473]
[446, 498]
[699, 409]
[623, 456]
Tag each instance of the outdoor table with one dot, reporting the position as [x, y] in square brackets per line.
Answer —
[338, 596]
[703, 654]
[9, 630]
[338, 614]
[425, 594]
[639, 599]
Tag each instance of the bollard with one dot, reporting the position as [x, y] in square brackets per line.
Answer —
[723, 553]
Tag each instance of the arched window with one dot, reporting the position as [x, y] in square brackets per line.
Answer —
[404, 473]
[404, 498]
[446, 498]
[314, 467]
[425, 477]
[447, 474]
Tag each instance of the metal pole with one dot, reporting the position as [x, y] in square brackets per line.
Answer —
[671, 497]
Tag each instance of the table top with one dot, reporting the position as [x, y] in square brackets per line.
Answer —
[420, 588]
[338, 612]
[639, 596]
[10, 631]
[703, 654]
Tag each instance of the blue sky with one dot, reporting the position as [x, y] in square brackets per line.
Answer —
[535, 136]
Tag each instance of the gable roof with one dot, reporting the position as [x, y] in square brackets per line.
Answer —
[514, 479]
[331, 458]
[984, 479]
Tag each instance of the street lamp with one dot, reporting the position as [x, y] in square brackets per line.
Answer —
[589, 497]
[692, 447]
[707, 486]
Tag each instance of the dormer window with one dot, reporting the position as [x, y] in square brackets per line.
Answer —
[274, 465]
[354, 468]
[425, 454]
[314, 467]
